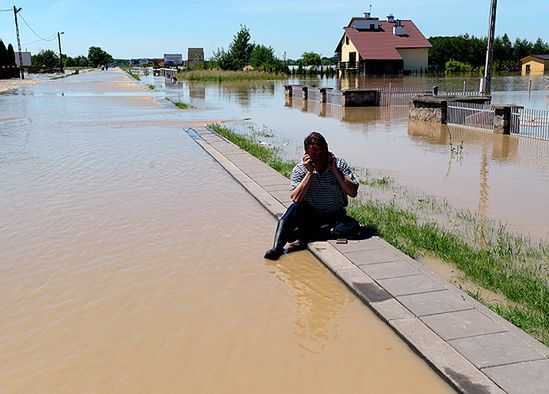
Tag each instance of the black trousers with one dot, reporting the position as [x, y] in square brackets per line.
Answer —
[300, 222]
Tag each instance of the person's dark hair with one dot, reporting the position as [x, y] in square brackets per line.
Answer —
[315, 139]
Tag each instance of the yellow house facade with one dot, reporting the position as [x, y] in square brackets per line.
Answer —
[535, 65]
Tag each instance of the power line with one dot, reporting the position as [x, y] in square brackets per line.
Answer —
[36, 34]
[34, 42]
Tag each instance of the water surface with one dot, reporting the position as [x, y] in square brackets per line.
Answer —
[132, 262]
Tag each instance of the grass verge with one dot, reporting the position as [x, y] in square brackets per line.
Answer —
[222, 75]
[501, 262]
[180, 104]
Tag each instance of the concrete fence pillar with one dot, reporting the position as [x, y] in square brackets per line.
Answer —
[502, 119]
[304, 93]
[360, 98]
[288, 91]
[323, 94]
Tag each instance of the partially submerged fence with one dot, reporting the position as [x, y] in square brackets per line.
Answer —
[475, 115]
[379, 97]
[526, 122]
[530, 122]
[399, 96]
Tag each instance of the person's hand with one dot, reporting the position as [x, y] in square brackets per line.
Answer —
[308, 162]
[332, 162]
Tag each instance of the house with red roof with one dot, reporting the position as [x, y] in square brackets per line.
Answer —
[373, 46]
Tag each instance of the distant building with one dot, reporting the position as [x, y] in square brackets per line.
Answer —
[392, 46]
[535, 65]
[158, 62]
[26, 57]
[173, 59]
[139, 62]
[195, 57]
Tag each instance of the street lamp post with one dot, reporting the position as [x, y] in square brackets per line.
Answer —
[15, 11]
[60, 53]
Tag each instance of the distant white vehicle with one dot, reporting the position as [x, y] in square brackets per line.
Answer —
[26, 57]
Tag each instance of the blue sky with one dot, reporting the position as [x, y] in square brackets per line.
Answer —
[133, 29]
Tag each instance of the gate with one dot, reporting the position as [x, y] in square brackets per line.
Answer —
[479, 116]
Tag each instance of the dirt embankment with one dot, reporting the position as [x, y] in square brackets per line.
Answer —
[10, 84]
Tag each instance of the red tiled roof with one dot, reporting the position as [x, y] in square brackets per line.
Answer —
[382, 44]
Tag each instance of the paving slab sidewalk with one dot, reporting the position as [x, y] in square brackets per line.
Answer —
[470, 346]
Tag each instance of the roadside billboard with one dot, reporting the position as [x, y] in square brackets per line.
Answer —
[26, 57]
[173, 59]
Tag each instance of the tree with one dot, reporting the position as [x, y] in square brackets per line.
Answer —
[241, 48]
[310, 59]
[11, 56]
[223, 59]
[3, 54]
[45, 58]
[262, 58]
[540, 47]
[97, 57]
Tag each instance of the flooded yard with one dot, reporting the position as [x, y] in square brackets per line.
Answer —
[503, 178]
[132, 262]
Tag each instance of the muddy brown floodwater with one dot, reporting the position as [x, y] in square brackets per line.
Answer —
[504, 178]
[132, 262]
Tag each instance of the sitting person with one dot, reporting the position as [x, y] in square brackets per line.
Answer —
[319, 188]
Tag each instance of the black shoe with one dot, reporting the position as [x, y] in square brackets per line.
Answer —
[273, 254]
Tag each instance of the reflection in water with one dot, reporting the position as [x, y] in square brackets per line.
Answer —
[316, 303]
[348, 114]
[483, 198]
[197, 90]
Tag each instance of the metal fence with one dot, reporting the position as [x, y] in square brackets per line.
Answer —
[334, 97]
[313, 94]
[459, 93]
[530, 122]
[399, 96]
[480, 116]
[296, 91]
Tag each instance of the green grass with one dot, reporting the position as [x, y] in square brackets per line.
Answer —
[492, 267]
[222, 75]
[130, 73]
[180, 104]
[267, 154]
[496, 260]
[151, 87]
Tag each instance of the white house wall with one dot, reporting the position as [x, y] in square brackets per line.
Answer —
[415, 59]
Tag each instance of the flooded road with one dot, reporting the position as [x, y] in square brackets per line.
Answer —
[132, 262]
[505, 178]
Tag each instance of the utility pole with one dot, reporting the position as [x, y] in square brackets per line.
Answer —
[486, 82]
[15, 11]
[60, 53]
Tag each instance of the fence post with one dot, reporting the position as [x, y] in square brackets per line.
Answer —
[323, 94]
[304, 93]
[288, 90]
[502, 119]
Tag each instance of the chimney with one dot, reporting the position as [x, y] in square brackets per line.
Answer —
[391, 18]
[398, 29]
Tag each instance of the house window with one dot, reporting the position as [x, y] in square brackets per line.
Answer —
[527, 69]
[346, 40]
[372, 26]
[352, 59]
